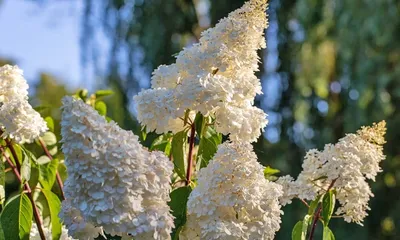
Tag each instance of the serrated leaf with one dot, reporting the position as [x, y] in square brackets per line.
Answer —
[101, 108]
[297, 232]
[328, 205]
[207, 147]
[47, 175]
[50, 123]
[178, 148]
[103, 93]
[54, 205]
[328, 234]
[49, 138]
[16, 218]
[178, 205]
[162, 143]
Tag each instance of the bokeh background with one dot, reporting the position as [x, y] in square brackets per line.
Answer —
[330, 67]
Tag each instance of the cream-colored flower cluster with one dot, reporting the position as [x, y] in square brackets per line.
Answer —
[347, 165]
[232, 199]
[113, 182]
[18, 120]
[215, 77]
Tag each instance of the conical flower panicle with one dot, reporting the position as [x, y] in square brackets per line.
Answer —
[348, 163]
[215, 77]
[113, 181]
[233, 200]
[18, 120]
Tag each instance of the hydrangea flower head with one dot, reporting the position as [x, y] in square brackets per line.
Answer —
[18, 120]
[347, 164]
[214, 77]
[233, 200]
[113, 182]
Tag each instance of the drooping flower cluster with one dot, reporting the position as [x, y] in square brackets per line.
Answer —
[347, 165]
[113, 182]
[233, 200]
[18, 120]
[215, 77]
[34, 234]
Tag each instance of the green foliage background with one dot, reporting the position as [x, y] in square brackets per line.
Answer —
[321, 45]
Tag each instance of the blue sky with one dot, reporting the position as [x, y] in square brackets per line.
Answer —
[42, 38]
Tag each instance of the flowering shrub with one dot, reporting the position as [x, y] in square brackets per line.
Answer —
[190, 184]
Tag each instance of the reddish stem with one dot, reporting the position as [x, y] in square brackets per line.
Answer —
[15, 156]
[59, 181]
[28, 190]
[317, 214]
[190, 156]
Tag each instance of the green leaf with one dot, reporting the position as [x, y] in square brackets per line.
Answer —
[1, 233]
[41, 109]
[49, 138]
[16, 218]
[62, 170]
[268, 171]
[178, 148]
[320, 178]
[53, 151]
[2, 182]
[26, 169]
[314, 205]
[50, 123]
[101, 108]
[207, 147]
[18, 151]
[162, 143]
[328, 204]
[328, 234]
[82, 94]
[186, 118]
[144, 133]
[200, 123]
[103, 93]
[43, 160]
[35, 172]
[47, 175]
[306, 221]
[297, 232]
[178, 205]
[54, 205]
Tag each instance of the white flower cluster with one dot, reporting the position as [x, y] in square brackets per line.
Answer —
[34, 234]
[18, 120]
[347, 165]
[233, 200]
[215, 77]
[113, 182]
